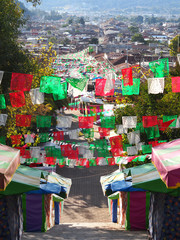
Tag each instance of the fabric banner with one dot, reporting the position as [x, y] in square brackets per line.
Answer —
[116, 142]
[21, 82]
[175, 84]
[152, 132]
[132, 89]
[37, 97]
[129, 121]
[64, 121]
[3, 119]
[133, 137]
[29, 138]
[88, 132]
[160, 67]
[99, 87]
[107, 122]
[168, 118]
[44, 137]
[149, 121]
[58, 136]
[127, 76]
[16, 139]
[120, 129]
[86, 122]
[43, 121]
[104, 132]
[23, 120]
[155, 85]
[77, 83]
[109, 85]
[147, 149]
[2, 102]
[17, 99]
[49, 151]
[140, 127]
[132, 151]
[62, 94]
[139, 146]
[1, 76]
[49, 84]
[73, 134]
[35, 152]
[164, 125]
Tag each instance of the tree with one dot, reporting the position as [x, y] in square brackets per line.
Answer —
[139, 19]
[94, 41]
[70, 21]
[138, 38]
[133, 29]
[34, 2]
[144, 104]
[81, 21]
[13, 58]
[175, 45]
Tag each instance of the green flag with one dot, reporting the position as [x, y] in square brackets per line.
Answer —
[77, 83]
[160, 67]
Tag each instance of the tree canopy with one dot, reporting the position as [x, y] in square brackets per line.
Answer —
[175, 46]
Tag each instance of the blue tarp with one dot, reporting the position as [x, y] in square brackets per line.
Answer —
[47, 188]
[122, 186]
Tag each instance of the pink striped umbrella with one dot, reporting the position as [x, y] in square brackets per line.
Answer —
[166, 158]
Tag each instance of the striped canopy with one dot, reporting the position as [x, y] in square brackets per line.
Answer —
[166, 158]
[24, 179]
[147, 177]
[9, 162]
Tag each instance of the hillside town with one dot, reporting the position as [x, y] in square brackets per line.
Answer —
[134, 41]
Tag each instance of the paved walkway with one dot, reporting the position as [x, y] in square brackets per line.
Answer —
[86, 231]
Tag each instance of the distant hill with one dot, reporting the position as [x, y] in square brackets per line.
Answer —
[110, 4]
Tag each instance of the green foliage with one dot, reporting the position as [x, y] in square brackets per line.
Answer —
[94, 41]
[138, 19]
[176, 70]
[146, 104]
[13, 58]
[81, 21]
[133, 29]
[137, 37]
[34, 2]
[175, 45]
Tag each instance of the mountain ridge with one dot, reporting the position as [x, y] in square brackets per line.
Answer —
[110, 4]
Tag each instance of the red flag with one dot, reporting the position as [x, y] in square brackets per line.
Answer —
[116, 142]
[23, 120]
[99, 88]
[21, 82]
[127, 76]
[104, 132]
[86, 122]
[17, 99]
[163, 125]
[149, 121]
[58, 136]
[16, 139]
